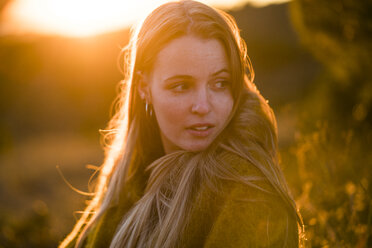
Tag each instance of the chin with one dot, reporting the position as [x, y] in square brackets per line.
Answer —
[197, 147]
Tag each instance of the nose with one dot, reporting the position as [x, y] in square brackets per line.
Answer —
[201, 102]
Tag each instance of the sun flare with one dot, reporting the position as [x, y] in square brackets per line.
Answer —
[81, 18]
[71, 17]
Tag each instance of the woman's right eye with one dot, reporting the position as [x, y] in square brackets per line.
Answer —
[179, 87]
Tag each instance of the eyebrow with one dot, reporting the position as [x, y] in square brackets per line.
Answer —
[190, 77]
[220, 71]
[179, 77]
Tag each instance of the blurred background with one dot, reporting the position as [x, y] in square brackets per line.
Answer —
[59, 73]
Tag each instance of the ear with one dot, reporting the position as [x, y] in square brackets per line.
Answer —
[143, 87]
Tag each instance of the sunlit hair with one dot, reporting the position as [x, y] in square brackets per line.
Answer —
[134, 144]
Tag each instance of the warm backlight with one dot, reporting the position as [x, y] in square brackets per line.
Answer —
[71, 17]
[81, 18]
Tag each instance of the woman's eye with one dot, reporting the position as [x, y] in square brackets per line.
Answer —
[221, 84]
[179, 87]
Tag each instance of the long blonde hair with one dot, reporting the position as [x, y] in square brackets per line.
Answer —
[129, 151]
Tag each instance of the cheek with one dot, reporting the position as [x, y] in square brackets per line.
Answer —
[169, 112]
[224, 105]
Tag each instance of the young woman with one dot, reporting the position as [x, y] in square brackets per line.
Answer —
[192, 158]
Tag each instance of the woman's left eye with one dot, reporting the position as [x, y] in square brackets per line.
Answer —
[220, 84]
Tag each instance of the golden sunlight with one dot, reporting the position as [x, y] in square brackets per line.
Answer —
[81, 18]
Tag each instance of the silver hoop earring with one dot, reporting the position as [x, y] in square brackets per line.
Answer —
[148, 110]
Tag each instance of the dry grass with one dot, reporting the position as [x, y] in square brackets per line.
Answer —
[37, 206]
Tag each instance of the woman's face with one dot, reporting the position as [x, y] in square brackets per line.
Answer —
[190, 91]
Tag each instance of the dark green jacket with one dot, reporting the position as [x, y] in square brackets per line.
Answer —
[240, 216]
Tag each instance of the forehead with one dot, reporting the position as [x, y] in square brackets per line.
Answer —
[192, 56]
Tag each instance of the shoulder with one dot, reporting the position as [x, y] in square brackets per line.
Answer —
[246, 172]
[237, 163]
[251, 185]
[252, 214]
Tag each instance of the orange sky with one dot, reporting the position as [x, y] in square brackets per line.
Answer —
[80, 18]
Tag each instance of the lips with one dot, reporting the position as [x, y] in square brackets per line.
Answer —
[201, 126]
[200, 129]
